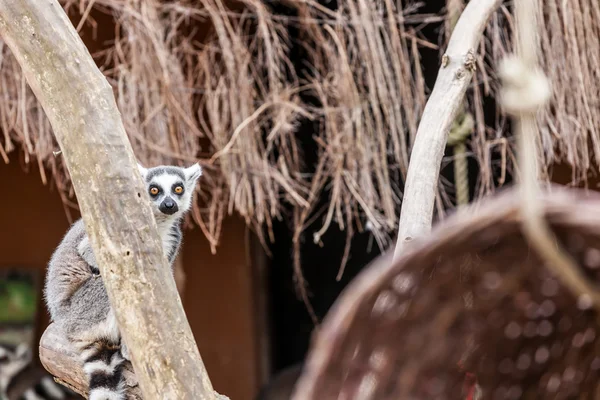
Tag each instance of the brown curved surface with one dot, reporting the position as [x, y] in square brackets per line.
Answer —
[471, 297]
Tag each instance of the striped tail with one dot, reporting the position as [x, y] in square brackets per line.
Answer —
[23, 379]
[103, 365]
[46, 389]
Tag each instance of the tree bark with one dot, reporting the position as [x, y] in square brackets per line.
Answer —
[81, 107]
[458, 65]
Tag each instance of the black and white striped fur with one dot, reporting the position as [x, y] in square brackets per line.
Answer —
[23, 379]
[103, 364]
[77, 299]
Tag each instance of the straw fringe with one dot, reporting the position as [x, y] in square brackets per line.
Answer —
[570, 58]
[234, 101]
[231, 99]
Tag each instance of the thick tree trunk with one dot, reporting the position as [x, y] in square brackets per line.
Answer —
[458, 65]
[81, 107]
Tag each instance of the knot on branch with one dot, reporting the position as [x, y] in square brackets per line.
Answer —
[471, 61]
[461, 129]
[524, 90]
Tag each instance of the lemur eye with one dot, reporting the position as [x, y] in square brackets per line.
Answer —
[153, 191]
[178, 189]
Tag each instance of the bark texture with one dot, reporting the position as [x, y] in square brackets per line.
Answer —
[458, 65]
[81, 107]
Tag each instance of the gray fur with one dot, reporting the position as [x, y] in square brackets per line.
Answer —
[162, 170]
[85, 251]
[176, 236]
[74, 292]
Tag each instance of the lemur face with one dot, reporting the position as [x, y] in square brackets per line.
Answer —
[170, 189]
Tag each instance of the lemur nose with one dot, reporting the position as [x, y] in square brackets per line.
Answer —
[168, 206]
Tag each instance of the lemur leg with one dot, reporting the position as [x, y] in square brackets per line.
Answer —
[106, 328]
[90, 316]
[112, 329]
[93, 328]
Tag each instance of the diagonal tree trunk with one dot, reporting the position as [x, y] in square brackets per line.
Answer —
[81, 107]
[458, 65]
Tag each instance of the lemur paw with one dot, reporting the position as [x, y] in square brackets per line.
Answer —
[125, 351]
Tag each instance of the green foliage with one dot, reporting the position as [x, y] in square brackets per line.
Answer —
[18, 301]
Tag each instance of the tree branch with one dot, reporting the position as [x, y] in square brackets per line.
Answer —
[61, 360]
[458, 65]
[83, 113]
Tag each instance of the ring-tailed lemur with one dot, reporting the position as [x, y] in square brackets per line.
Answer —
[76, 296]
[22, 379]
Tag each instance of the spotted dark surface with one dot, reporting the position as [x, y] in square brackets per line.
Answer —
[473, 301]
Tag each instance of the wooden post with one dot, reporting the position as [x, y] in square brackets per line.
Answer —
[458, 65]
[81, 107]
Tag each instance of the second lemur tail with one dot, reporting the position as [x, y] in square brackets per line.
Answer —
[103, 366]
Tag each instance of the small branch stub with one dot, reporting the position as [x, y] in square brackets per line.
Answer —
[445, 60]
[471, 61]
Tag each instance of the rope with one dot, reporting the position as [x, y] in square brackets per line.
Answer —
[525, 90]
[461, 130]
[463, 124]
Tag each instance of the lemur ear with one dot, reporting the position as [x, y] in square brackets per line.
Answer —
[192, 174]
[143, 170]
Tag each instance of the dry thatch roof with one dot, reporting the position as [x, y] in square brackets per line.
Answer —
[240, 93]
[570, 58]
[233, 99]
